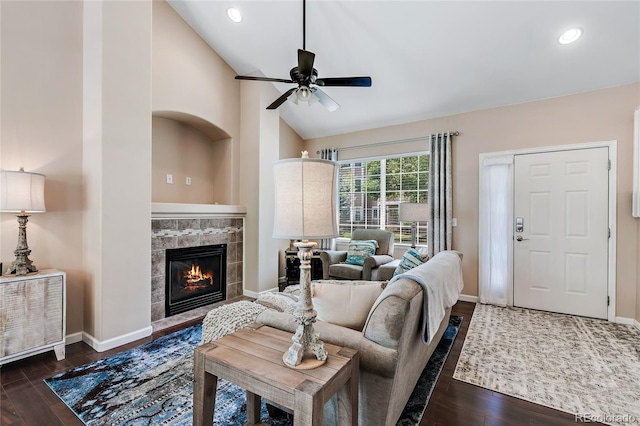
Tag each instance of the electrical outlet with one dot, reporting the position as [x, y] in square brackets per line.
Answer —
[169, 178]
[188, 180]
[454, 222]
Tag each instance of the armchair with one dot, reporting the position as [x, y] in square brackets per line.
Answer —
[333, 266]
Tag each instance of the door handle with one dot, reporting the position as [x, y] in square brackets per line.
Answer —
[519, 238]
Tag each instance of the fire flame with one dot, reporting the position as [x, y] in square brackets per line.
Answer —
[196, 276]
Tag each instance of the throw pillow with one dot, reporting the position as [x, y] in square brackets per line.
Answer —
[410, 260]
[360, 249]
[345, 303]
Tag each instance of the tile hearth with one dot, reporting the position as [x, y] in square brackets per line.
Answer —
[193, 314]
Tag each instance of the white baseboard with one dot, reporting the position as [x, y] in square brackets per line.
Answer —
[467, 298]
[256, 294]
[628, 321]
[73, 338]
[101, 346]
[624, 320]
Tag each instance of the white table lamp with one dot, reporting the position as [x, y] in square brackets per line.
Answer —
[305, 198]
[413, 212]
[21, 192]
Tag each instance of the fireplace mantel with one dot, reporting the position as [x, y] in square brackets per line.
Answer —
[173, 210]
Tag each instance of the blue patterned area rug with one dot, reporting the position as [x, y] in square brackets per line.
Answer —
[153, 385]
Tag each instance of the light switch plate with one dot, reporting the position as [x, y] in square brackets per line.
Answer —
[169, 178]
[454, 222]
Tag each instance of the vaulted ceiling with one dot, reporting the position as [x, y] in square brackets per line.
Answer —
[426, 58]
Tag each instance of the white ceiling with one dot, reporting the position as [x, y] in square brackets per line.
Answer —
[426, 58]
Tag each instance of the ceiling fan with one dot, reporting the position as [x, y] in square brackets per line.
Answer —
[306, 77]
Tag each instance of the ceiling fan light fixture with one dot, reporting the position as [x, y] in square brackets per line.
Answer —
[293, 97]
[570, 35]
[234, 14]
[304, 94]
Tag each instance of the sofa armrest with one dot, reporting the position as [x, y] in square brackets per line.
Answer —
[328, 258]
[373, 357]
[373, 262]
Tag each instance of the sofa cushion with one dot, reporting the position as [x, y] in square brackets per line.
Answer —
[345, 303]
[345, 271]
[410, 260]
[359, 249]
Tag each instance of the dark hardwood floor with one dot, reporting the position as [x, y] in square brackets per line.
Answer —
[26, 400]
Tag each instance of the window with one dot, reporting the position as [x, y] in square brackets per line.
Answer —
[371, 190]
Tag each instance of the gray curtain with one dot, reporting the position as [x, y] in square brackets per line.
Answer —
[439, 232]
[329, 154]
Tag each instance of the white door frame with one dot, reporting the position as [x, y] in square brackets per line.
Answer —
[611, 266]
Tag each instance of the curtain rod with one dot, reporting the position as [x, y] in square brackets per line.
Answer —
[370, 145]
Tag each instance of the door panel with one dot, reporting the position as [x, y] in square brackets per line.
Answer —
[560, 257]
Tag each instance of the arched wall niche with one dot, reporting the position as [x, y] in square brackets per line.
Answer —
[197, 155]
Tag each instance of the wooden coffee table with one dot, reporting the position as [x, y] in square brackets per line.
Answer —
[252, 359]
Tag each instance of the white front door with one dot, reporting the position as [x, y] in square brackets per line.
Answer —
[561, 231]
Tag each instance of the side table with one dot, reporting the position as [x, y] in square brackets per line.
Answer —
[252, 359]
[32, 314]
[293, 267]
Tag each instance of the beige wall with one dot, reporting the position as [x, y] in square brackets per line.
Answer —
[601, 115]
[191, 80]
[182, 151]
[41, 116]
[291, 144]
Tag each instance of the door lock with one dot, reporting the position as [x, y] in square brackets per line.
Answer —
[519, 238]
[519, 224]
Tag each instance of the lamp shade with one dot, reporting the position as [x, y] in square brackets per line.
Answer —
[21, 191]
[413, 212]
[305, 199]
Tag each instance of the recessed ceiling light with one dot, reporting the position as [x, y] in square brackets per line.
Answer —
[234, 14]
[570, 35]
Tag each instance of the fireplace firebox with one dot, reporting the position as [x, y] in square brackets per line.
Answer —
[195, 276]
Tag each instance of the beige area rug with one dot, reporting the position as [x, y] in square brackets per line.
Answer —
[586, 367]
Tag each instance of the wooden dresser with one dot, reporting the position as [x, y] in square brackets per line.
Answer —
[32, 314]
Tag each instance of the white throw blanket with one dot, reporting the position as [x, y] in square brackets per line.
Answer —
[441, 281]
[231, 317]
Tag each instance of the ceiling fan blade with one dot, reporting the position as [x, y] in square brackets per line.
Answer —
[325, 100]
[277, 80]
[305, 62]
[345, 81]
[282, 98]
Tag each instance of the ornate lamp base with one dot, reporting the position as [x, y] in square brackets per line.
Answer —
[22, 265]
[305, 340]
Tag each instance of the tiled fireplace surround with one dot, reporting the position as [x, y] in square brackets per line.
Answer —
[193, 232]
